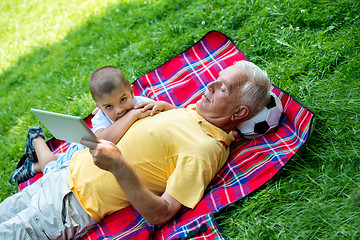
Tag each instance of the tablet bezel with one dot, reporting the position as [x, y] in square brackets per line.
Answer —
[65, 127]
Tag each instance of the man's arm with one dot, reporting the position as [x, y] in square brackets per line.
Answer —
[157, 210]
[116, 131]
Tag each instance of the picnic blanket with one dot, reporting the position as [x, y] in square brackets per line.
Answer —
[181, 81]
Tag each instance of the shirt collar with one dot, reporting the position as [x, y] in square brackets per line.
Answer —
[210, 129]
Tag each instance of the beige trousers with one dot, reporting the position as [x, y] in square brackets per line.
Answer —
[45, 210]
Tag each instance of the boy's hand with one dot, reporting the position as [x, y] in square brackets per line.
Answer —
[139, 113]
[154, 107]
[136, 114]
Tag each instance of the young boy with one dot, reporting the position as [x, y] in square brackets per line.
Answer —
[117, 109]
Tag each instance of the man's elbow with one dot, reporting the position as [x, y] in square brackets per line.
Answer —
[165, 211]
[162, 217]
[158, 220]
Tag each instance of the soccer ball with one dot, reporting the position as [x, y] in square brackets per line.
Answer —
[263, 122]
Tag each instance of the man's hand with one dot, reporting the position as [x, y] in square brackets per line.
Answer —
[105, 154]
[157, 210]
[154, 106]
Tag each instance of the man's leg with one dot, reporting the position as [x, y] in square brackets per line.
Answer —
[15, 204]
[19, 213]
[9, 210]
[52, 212]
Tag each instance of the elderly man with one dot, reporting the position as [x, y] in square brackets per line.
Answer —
[161, 165]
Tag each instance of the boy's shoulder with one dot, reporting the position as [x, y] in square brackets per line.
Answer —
[140, 99]
[100, 116]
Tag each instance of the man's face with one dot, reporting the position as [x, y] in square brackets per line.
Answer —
[117, 103]
[221, 99]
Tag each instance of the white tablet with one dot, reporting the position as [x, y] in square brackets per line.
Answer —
[65, 127]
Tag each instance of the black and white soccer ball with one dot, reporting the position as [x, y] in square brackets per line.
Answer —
[263, 122]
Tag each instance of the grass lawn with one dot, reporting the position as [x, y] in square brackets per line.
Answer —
[48, 50]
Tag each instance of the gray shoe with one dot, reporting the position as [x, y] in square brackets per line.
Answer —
[22, 173]
[33, 133]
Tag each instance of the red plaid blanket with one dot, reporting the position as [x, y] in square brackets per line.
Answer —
[181, 81]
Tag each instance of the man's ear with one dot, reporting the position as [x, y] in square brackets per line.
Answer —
[241, 113]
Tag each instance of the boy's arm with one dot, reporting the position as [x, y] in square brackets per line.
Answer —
[155, 106]
[116, 131]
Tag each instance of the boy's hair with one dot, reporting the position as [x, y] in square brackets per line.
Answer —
[104, 80]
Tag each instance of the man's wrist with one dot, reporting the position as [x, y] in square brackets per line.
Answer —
[119, 168]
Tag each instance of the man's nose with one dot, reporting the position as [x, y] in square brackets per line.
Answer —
[211, 86]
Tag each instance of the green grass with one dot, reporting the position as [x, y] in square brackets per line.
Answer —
[48, 50]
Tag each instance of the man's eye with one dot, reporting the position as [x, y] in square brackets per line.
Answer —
[122, 100]
[108, 107]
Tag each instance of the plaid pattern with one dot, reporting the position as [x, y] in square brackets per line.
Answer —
[181, 81]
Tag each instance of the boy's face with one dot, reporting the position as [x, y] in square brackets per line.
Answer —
[117, 103]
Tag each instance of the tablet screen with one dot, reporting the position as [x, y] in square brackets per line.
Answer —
[65, 127]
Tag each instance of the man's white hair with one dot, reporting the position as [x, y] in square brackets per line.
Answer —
[255, 92]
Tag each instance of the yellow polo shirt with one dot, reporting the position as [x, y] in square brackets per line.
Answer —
[176, 150]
